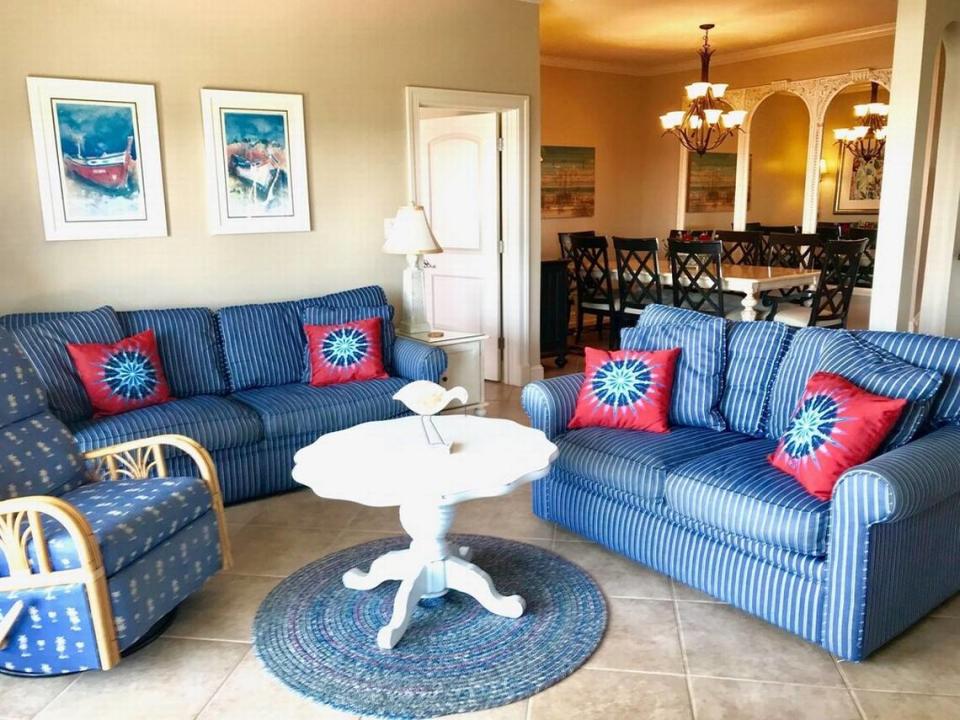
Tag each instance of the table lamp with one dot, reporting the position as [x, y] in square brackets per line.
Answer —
[410, 235]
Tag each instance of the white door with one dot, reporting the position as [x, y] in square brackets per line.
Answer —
[458, 185]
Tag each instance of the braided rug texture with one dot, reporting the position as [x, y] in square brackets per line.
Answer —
[320, 639]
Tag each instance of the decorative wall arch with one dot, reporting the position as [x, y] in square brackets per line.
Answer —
[817, 94]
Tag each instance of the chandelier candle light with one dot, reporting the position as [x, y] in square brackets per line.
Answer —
[867, 140]
[709, 119]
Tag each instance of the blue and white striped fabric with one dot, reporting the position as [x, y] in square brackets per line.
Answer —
[189, 348]
[636, 462]
[550, 403]
[15, 321]
[418, 361]
[739, 491]
[754, 352]
[240, 470]
[895, 528]
[791, 601]
[214, 422]
[800, 362]
[370, 295]
[262, 344]
[927, 351]
[45, 344]
[297, 408]
[879, 372]
[698, 382]
[321, 315]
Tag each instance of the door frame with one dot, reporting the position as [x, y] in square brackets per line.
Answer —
[514, 111]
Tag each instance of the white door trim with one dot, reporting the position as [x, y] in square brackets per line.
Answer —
[515, 206]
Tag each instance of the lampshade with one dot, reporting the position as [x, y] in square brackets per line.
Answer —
[410, 233]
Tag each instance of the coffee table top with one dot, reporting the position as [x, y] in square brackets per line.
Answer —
[389, 463]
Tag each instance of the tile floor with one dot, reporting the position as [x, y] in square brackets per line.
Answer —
[669, 652]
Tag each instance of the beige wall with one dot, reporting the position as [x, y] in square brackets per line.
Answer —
[637, 169]
[351, 60]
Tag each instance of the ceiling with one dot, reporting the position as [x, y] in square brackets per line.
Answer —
[650, 36]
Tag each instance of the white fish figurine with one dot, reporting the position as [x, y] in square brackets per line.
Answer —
[426, 399]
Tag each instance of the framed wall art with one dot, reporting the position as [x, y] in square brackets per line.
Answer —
[711, 182]
[858, 185]
[567, 181]
[98, 159]
[256, 162]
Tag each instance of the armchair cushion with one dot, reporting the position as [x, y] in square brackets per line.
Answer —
[214, 422]
[738, 491]
[189, 348]
[21, 394]
[38, 456]
[298, 409]
[128, 517]
[45, 344]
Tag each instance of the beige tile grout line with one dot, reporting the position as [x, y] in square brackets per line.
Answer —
[222, 683]
[683, 652]
[850, 692]
[57, 696]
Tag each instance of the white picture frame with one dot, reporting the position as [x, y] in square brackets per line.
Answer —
[256, 162]
[97, 148]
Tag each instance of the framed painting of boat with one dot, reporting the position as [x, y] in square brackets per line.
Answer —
[98, 159]
[256, 162]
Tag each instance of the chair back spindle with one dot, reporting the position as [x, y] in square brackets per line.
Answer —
[697, 276]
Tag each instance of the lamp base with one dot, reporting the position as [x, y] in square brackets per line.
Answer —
[413, 317]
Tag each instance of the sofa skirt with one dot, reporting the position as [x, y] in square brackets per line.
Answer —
[791, 601]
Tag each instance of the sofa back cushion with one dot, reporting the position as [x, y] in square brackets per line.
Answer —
[189, 348]
[754, 352]
[45, 345]
[370, 295]
[38, 455]
[800, 362]
[262, 344]
[941, 354]
[698, 382]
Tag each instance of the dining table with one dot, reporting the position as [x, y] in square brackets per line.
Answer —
[750, 280]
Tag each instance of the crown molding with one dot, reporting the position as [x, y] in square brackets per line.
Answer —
[813, 43]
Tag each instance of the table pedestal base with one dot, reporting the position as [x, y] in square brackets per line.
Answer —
[428, 568]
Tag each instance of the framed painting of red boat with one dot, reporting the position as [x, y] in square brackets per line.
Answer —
[256, 162]
[98, 159]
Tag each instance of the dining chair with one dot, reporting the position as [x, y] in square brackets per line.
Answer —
[566, 253]
[740, 247]
[638, 273]
[865, 278]
[697, 275]
[839, 267]
[779, 229]
[754, 226]
[594, 284]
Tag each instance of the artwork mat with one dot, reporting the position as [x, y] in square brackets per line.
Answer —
[842, 204]
[547, 210]
[691, 158]
[213, 102]
[41, 92]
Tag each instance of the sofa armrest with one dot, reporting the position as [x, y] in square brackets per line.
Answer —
[550, 403]
[415, 360]
[902, 482]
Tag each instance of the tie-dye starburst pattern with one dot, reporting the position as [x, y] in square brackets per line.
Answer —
[812, 426]
[345, 347]
[129, 374]
[620, 384]
[345, 352]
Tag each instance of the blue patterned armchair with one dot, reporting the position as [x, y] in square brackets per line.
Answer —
[95, 548]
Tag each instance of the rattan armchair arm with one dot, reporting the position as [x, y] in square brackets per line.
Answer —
[20, 523]
[141, 459]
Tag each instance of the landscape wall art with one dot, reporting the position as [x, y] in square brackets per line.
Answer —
[568, 181]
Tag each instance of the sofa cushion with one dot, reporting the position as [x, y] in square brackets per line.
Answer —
[800, 362]
[297, 408]
[189, 348]
[322, 315]
[214, 422]
[699, 378]
[737, 490]
[128, 517]
[879, 372]
[45, 344]
[754, 352]
[361, 296]
[927, 351]
[633, 461]
[262, 344]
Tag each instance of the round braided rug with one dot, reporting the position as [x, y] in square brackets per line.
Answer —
[320, 638]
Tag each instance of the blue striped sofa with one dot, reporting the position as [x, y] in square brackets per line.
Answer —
[237, 376]
[704, 506]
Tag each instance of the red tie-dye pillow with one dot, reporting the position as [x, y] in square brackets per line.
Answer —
[836, 426]
[121, 376]
[345, 352]
[626, 389]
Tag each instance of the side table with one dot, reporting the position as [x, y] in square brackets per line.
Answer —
[464, 366]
